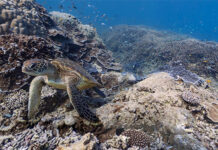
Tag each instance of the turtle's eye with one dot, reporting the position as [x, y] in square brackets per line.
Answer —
[32, 66]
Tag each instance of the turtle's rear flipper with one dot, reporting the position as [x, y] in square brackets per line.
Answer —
[78, 102]
[99, 92]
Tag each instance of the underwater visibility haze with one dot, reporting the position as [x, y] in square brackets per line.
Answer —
[108, 74]
[196, 18]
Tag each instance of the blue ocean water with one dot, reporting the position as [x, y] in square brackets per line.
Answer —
[196, 18]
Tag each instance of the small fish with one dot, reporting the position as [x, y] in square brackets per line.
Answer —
[90, 6]
[103, 15]
[208, 81]
[74, 6]
[61, 6]
[103, 24]
[205, 61]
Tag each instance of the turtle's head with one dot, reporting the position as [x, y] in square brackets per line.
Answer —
[37, 67]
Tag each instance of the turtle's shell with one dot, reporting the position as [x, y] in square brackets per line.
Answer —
[66, 67]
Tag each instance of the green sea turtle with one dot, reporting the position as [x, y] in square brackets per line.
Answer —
[61, 74]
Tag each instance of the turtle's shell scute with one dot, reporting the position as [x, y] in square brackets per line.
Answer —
[66, 67]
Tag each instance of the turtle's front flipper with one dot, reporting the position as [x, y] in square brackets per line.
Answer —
[78, 103]
[35, 96]
[99, 92]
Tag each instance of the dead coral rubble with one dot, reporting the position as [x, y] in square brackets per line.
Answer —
[87, 142]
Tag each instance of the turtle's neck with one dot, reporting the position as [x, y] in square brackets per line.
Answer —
[53, 73]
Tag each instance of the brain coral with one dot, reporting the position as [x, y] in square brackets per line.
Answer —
[23, 17]
[137, 138]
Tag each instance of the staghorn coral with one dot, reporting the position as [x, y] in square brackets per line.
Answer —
[23, 17]
[137, 138]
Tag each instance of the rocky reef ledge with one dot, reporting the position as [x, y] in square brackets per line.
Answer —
[159, 112]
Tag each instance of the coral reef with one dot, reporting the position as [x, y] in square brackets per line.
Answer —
[39, 137]
[212, 111]
[84, 45]
[152, 105]
[75, 43]
[160, 112]
[191, 97]
[156, 104]
[117, 142]
[23, 17]
[137, 138]
[87, 142]
[14, 50]
[142, 50]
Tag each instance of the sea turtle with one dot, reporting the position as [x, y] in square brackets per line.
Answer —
[63, 74]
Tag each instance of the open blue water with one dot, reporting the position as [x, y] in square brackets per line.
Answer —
[197, 18]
